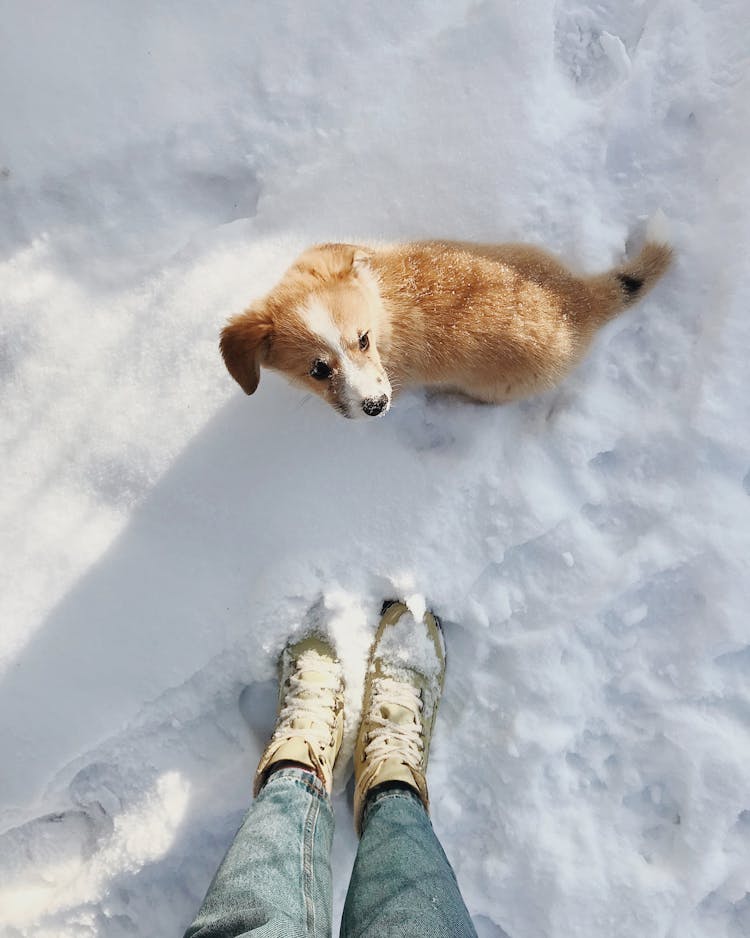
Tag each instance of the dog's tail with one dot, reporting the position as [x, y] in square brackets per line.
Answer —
[624, 285]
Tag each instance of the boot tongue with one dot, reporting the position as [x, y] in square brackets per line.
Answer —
[312, 677]
[397, 714]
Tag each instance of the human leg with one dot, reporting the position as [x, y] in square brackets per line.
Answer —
[275, 880]
[402, 884]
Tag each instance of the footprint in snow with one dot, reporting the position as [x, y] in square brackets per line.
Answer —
[593, 58]
[258, 705]
[42, 846]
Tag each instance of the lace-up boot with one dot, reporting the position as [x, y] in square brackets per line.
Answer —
[403, 685]
[310, 724]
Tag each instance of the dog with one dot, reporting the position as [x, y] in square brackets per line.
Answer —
[357, 324]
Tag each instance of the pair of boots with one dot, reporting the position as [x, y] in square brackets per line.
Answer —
[403, 684]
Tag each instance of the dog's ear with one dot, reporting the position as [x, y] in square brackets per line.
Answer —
[332, 261]
[244, 344]
[360, 260]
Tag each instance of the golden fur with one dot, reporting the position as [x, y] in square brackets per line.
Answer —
[495, 322]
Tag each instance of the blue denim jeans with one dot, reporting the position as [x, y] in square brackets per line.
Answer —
[275, 881]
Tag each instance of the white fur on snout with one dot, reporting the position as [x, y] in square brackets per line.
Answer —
[357, 383]
[360, 384]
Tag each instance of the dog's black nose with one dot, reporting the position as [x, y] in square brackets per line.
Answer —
[373, 406]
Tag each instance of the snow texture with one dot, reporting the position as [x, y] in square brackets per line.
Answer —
[407, 645]
[163, 535]
[405, 651]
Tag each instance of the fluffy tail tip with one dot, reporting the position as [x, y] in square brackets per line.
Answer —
[636, 277]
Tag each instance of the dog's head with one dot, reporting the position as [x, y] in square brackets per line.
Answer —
[320, 327]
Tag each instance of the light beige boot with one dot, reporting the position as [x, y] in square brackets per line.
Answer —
[310, 724]
[403, 685]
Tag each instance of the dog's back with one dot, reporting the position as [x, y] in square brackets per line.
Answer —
[498, 321]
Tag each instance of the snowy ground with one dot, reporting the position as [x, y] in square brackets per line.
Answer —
[162, 534]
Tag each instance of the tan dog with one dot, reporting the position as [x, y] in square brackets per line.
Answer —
[496, 322]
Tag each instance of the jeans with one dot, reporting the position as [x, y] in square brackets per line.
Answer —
[275, 880]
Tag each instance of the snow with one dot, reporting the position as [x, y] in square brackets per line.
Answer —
[408, 646]
[405, 648]
[162, 535]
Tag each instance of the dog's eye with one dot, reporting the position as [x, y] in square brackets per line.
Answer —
[364, 341]
[320, 371]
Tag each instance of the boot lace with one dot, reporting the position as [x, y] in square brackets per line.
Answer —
[314, 702]
[389, 738]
